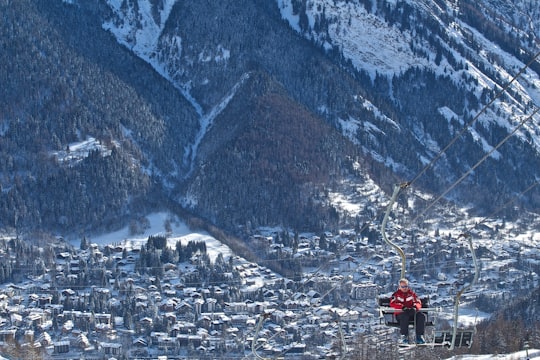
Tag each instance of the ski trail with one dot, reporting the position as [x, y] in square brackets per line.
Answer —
[206, 121]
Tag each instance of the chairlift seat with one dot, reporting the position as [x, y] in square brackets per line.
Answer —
[388, 314]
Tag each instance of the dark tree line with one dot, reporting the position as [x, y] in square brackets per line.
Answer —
[155, 254]
[20, 259]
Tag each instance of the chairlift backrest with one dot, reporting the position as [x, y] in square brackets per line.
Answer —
[463, 338]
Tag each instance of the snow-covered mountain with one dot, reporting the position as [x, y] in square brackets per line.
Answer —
[251, 113]
[420, 76]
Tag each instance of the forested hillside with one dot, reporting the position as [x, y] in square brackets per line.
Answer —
[250, 113]
[65, 80]
[278, 163]
[401, 80]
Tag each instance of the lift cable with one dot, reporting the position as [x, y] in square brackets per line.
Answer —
[522, 122]
[404, 185]
[401, 186]
[529, 188]
[467, 235]
[475, 118]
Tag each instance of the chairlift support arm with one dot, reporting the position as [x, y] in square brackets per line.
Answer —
[262, 318]
[465, 288]
[397, 189]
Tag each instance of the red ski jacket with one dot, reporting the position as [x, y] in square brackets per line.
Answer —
[401, 299]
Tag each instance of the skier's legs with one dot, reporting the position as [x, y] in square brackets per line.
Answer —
[403, 319]
[420, 323]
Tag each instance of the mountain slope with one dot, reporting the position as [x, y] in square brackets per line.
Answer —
[437, 66]
[266, 160]
[401, 79]
[254, 111]
[64, 81]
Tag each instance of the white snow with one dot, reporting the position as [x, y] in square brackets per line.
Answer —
[79, 150]
[531, 354]
[180, 232]
[369, 42]
[143, 40]
[207, 120]
[140, 33]
[376, 47]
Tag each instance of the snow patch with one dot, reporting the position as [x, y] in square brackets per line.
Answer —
[179, 231]
[78, 151]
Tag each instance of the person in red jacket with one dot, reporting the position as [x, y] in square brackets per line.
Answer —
[407, 302]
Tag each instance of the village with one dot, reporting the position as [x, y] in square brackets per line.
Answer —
[126, 302]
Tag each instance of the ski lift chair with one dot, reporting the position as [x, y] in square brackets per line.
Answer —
[387, 314]
[464, 337]
[459, 337]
